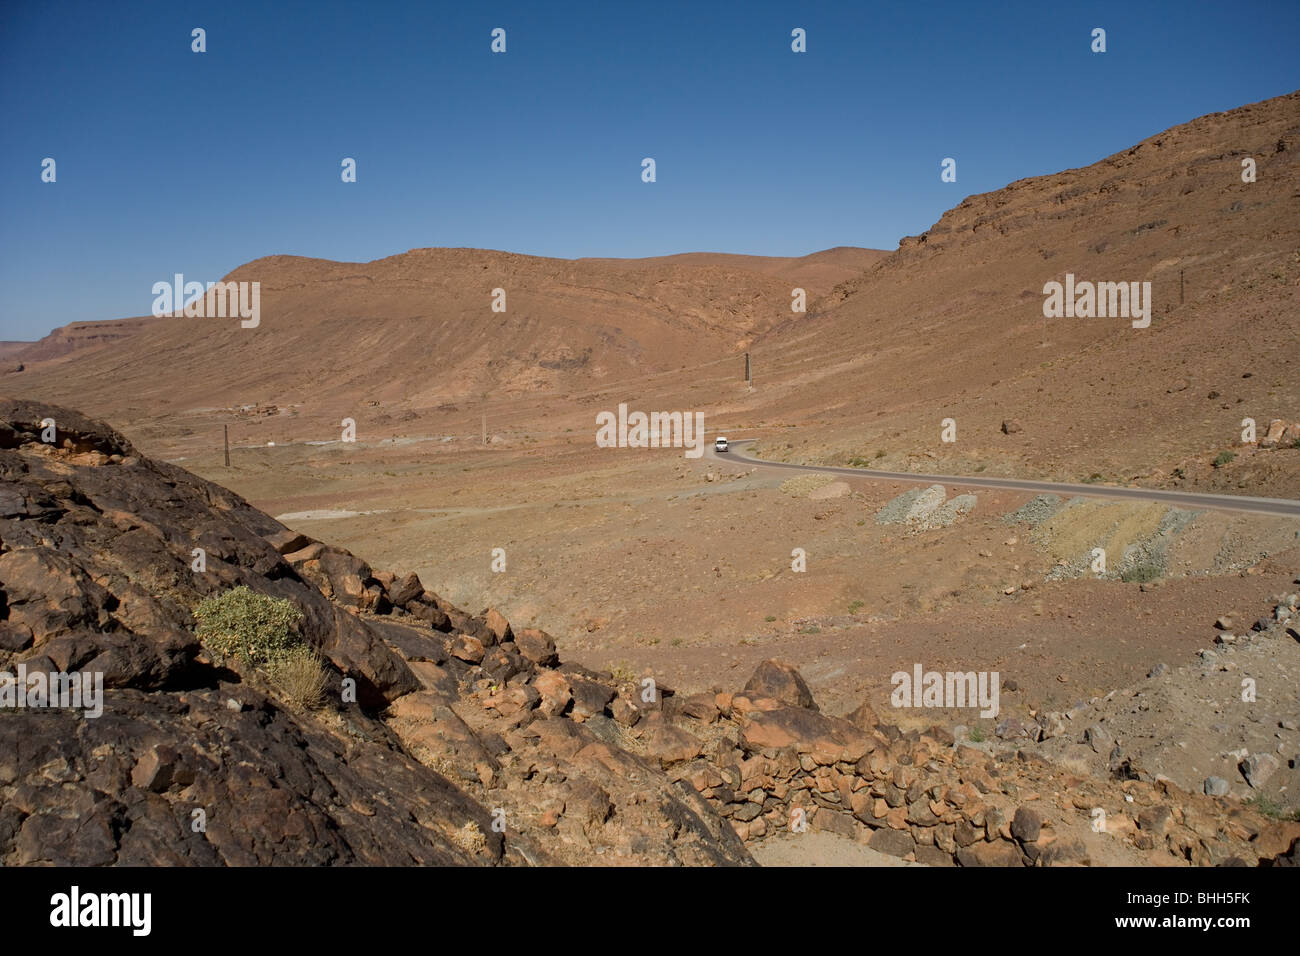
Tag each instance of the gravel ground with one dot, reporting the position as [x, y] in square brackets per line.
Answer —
[1035, 511]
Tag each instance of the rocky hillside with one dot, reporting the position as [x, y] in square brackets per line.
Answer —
[466, 742]
[96, 572]
[420, 330]
[952, 325]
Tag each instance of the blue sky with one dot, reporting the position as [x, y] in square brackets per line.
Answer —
[173, 161]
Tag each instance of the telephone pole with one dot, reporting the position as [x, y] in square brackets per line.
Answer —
[226, 428]
[748, 376]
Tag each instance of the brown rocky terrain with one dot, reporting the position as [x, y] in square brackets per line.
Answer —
[469, 742]
[641, 563]
[951, 325]
[418, 330]
[96, 575]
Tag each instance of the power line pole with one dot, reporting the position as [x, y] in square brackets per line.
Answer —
[226, 428]
[748, 376]
[485, 428]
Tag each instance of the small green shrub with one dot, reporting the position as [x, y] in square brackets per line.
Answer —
[1223, 458]
[770, 618]
[1270, 808]
[242, 624]
[1140, 573]
[856, 606]
[623, 673]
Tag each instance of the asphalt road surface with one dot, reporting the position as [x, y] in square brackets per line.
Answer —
[1179, 499]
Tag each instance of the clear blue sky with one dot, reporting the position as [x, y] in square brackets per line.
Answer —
[171, 161]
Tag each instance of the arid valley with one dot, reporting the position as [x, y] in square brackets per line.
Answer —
[390, 421]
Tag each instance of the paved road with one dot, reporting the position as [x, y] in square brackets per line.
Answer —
[1180, 499]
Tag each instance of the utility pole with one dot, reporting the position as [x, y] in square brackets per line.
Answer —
[1180, 286]
[748, 377]
[226, 428]
[485, 428]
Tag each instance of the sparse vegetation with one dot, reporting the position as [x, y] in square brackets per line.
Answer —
[251, 627]
[1140, 573]
[855, 606]
[1223, 458]
[300, 676]
[1272, 809]
[976, 735]
[770, 618]
[253, 630]
[623, 673]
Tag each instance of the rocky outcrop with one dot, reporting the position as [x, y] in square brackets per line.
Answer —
[445, 737]
[770, 765]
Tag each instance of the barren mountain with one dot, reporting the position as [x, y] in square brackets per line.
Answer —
[952, 324]
[816, 273]
[420, 329]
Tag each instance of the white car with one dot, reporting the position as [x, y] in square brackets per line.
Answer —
[720, 443]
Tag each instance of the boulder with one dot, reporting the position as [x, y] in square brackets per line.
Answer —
[897, 843]
[999, 853]
[556, 695]
[405, 589]
[826, 740]
[1026, 825]
[1258, 768]
[590, 697]
[497, 624]
[286, 541]
[781, 682]
[537, 646]
[864, 717]
[466, 648]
